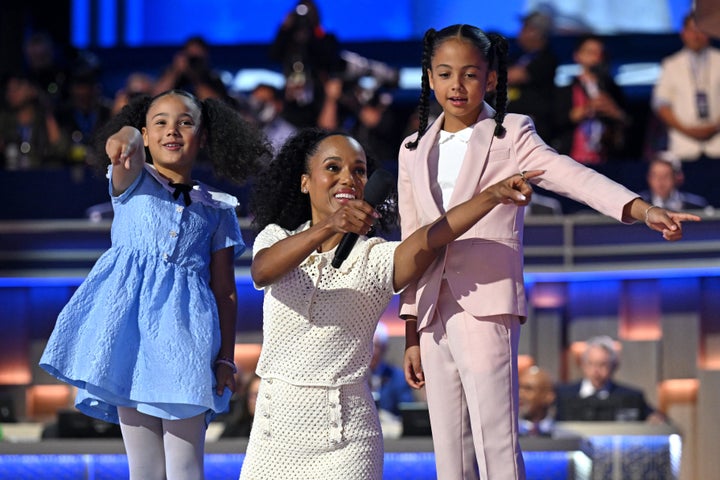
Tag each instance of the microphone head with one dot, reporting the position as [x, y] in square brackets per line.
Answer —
[378, 187]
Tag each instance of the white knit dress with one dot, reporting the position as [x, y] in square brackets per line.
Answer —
[315, 416]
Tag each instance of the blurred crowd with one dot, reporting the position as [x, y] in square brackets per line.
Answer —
[50, 108]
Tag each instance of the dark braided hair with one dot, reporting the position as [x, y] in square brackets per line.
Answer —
[494, 48]
[233, 146]
[276, 196]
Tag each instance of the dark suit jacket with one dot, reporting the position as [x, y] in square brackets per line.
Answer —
[690, 201]
[622, 403]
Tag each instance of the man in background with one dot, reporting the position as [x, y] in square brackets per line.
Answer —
[597, 397]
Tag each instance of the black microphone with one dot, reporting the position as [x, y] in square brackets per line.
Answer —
[377, 188]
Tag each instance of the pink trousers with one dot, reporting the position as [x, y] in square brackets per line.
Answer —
[470, 367]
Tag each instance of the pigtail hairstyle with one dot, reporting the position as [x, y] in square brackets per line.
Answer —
[424, 102]
[494, 48]
[499, 50]
[234, 146]
[276, 196]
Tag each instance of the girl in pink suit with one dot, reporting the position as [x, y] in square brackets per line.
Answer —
[463, 315]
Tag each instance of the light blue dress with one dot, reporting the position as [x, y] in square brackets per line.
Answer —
[143, 329]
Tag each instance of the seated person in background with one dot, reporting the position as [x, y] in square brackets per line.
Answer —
[387, 382]
[239, 423]
[664, 179]
[597, 397]
[536, 399]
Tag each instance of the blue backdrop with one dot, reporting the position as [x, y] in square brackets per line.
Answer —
[109, 23]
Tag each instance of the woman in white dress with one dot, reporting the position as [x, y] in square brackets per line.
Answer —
[315, 415]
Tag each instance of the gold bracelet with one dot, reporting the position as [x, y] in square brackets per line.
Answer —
[648, 211]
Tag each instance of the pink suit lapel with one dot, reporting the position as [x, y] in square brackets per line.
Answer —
[422, 186]
[476, 157]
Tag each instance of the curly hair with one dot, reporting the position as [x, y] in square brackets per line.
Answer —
[276, 197]
[494, 48]
[234, 146]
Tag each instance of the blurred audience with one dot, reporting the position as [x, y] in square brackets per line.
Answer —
[46, 66]
[686, 97]
[192, 70]
[531, 73]
[309, 56]
[376, 123]
[536, 400]
[85, 110]
[686, 100]
[363, 107]
[578, 16]
[387, 382]
[51, 108]
[266, 107]
[597, 397]
[136, 83]
[664, 178]
[590, 113]
[30, 135]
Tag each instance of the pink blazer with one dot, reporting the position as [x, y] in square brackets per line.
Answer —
[484, 267]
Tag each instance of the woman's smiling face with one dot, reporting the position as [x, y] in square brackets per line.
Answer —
[337, 173]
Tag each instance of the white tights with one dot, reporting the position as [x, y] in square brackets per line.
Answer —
[158, 449]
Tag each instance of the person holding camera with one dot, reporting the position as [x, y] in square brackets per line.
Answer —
[309, 57]
[191, 71]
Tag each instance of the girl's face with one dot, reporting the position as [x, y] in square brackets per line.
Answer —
[337, 173]
[459, 77]
[172, 134]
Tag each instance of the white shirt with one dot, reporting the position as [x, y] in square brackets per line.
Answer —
[319, 321]
[682, 75]
[452, 148]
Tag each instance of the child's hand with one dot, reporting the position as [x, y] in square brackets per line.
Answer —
[667, 222]
[225, 378]
[125, 148]
[413, 367]
[515, 189]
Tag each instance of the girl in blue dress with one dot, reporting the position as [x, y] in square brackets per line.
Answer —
[148, 338]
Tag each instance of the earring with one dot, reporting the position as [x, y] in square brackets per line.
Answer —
[304, 190]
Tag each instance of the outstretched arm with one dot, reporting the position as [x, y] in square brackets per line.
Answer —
[667, 222]
[418, 250]
[270, 264]
[127, 154]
